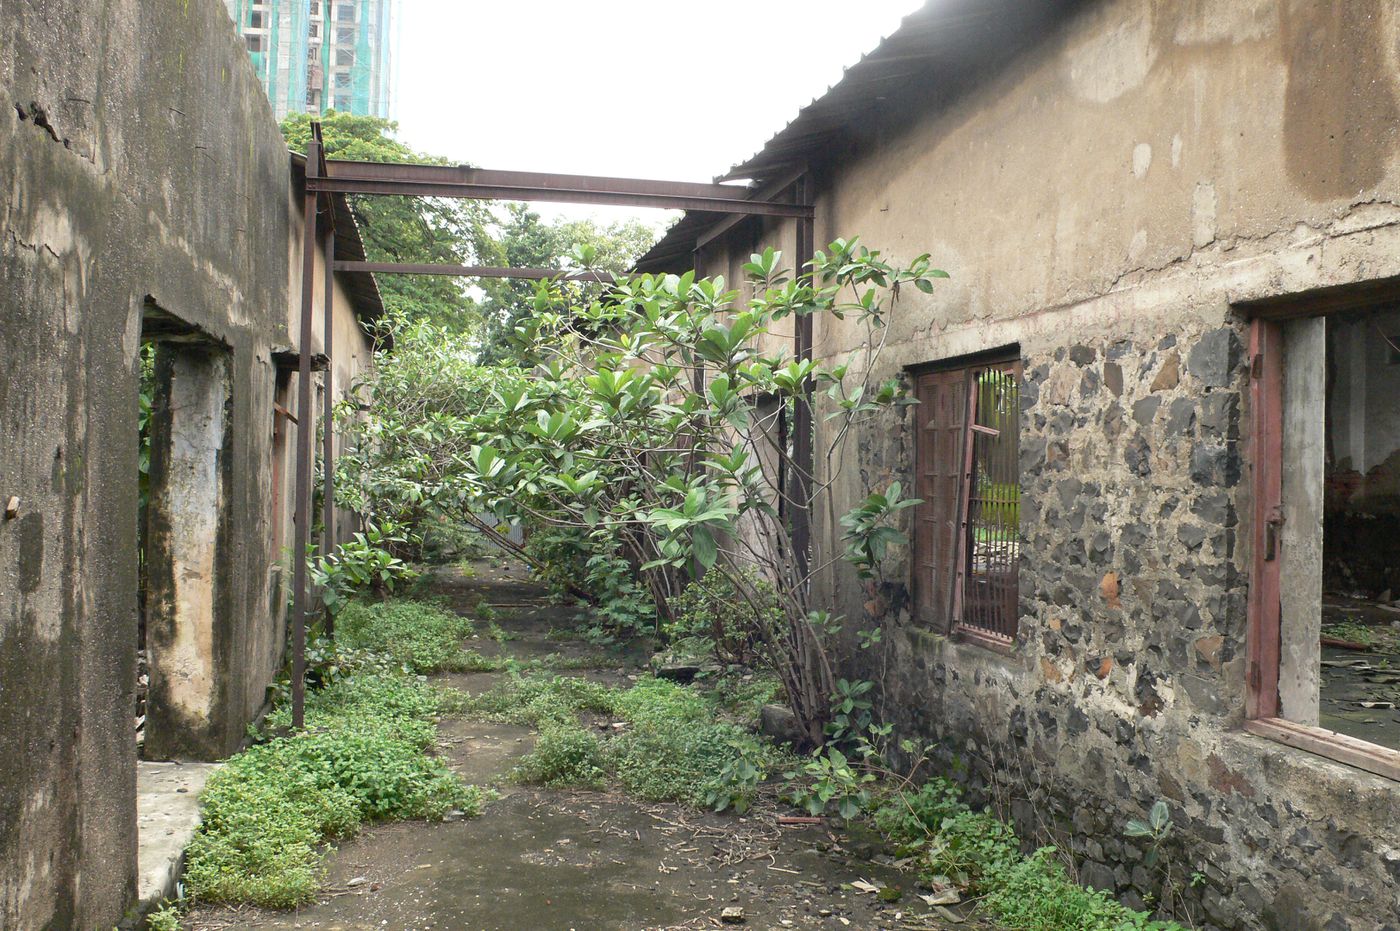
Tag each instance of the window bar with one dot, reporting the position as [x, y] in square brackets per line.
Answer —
[990, 603]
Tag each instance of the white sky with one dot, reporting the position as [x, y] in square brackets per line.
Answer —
[633, 88]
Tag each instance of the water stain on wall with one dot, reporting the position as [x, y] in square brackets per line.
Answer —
[1339, 122]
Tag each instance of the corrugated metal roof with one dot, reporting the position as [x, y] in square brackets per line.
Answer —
[350, 247]
[943, 39]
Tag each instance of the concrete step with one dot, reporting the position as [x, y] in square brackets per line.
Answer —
[167, 814]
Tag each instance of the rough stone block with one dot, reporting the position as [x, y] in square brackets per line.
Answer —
[780, 724]
[1098, 876]
[1145, 410]
[1213, 359]
[1214, 465]
[1113, 378]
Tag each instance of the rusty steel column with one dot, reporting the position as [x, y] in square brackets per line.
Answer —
[697, 378]
[802, 445]
[697, 385]
[328, 414]
[306, 428]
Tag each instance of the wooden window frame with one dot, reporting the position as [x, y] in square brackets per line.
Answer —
[1264, 626]
[973, 633]
[951, 622]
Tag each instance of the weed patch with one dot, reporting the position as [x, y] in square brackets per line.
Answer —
[979, 853]
[564, 755]
[538, 701]
[421, 637]
[165, 918]
[672, 747]
[743, 697]
[1037, 895]
[362, 757]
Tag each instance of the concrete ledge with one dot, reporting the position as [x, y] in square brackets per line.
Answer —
[167, 813]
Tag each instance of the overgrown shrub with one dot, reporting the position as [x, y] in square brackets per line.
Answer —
[445, 540]
[363, 565]
[724, 616]
[589, 563]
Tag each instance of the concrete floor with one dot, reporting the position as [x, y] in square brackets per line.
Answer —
[577, 860]
[167, 813]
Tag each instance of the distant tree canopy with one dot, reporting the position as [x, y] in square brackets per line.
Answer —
[458, 232]
[526, 241]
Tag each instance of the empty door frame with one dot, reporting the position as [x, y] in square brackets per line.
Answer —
[1264, 631]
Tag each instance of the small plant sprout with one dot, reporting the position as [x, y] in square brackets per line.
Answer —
[1156, 829]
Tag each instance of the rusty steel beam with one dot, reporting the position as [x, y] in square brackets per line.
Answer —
[479, 184]
[459, 174]
[470, 271]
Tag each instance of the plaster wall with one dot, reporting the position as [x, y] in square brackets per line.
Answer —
[1104, 201]
[140, 167]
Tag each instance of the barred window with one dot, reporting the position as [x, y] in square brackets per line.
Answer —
[966, 542]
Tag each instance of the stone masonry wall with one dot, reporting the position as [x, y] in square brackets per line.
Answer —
[1106, 202]
[1127, 681]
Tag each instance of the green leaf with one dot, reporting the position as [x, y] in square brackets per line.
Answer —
[1160, 815]
[1137, 828]
[706, 550]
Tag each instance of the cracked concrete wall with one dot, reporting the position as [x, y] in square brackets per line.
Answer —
[140, 165]
[1103, 200]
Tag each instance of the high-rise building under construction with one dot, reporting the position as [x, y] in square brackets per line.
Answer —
[318, 55]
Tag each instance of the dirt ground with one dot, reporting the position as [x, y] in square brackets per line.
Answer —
[565, 860]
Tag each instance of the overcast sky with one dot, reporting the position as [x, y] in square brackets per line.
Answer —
[635, 88]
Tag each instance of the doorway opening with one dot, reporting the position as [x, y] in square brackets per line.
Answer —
[1360, 618]
[185, 436]
[1324, 642]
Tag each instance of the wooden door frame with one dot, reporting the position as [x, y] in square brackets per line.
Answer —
[1263, 639]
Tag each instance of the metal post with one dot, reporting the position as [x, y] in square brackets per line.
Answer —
[328, 415]
[802, 446]
[697, 385]
[306, 428]
[698, 376]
